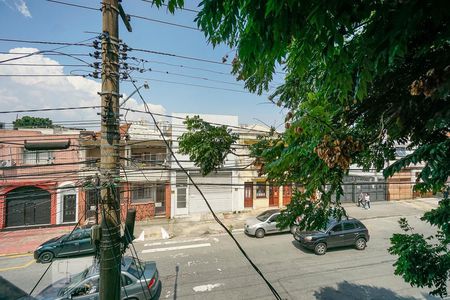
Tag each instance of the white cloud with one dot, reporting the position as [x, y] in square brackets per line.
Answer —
[18, 93]
[19, 5]
[22, 8]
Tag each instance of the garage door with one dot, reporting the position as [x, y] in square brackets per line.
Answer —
[217, 190]
[27, 206]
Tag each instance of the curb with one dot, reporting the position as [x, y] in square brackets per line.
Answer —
[18, 254]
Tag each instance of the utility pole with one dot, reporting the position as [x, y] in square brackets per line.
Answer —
[110, 243]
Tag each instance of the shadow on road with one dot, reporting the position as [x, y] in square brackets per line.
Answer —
[350, 291]
[175, 286]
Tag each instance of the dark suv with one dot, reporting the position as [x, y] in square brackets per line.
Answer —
[337, 233]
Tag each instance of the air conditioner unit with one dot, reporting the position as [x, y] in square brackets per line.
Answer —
[7, 163]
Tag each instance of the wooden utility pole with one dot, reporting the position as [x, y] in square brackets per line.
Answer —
[110, 244]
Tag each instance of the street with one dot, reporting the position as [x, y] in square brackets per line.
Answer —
[211, 267]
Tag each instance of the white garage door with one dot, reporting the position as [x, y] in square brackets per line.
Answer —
[217, 190]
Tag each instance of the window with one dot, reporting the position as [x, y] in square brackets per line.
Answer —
[125, 280]
[261, 190]
[141, 193]
[181, 190]
[337, 228]
[37, 157]
[349, 226]
[400, 151]
[273, 218]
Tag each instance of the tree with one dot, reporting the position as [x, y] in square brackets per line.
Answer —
[361, 77]
[30, 122]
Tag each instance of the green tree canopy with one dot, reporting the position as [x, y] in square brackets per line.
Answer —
[361, 77]
[30, 122]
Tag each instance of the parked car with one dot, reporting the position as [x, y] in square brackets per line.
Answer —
[263, 224]
[336, 234]
[67, 245]
[139, 281]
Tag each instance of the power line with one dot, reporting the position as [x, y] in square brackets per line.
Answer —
[178, 56]
[47, 52]
[275, 293]
[48, 109]
[43, 65]
[42, 75]
[75, 5]
[164, 22]
[195, 85]
[131, 15]
[44, 42]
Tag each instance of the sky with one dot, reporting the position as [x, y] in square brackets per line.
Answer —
[41, 20]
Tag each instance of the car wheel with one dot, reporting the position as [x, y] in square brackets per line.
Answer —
[360, 244]
[260, 233]
[320, 248]
[46, 257]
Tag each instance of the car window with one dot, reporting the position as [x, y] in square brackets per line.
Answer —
[125, 280]
[87, 287]
[76, 235]
[86, 234]
[359, 225]
[262, 217]
[273, 218]
[337, 228]
[349, 226]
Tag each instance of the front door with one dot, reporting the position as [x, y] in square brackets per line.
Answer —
[287, 194]
[272, 223]
[248, 194]
[160, 203]
[69, 208]
[336, 236]
[273, 195]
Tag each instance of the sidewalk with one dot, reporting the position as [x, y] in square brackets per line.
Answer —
[25, 241]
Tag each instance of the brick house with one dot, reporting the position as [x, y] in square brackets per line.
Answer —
[38, 184]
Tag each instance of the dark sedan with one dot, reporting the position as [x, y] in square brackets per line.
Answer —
[68, 245]
[336, 234]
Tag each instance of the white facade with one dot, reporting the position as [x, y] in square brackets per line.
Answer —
[218, 188]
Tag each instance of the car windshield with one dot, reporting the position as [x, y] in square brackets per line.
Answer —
[265, 215]
[331, 222]
[74, 281]
[136, 268]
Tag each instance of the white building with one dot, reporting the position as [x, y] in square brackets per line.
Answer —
[221, 189]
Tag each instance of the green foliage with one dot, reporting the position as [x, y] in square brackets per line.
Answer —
[424, 261]
[32, 122]
[361, 78]
[206, 145]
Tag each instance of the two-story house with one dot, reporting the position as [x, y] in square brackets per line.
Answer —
[38, 177]
[144, 174]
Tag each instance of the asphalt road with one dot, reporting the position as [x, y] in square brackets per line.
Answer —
[211, 267]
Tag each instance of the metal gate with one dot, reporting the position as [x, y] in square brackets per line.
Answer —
[27, 205]
[355, 185]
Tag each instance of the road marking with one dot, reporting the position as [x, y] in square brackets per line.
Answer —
[176, 248]
[206, 287]
[175, 242]
[15, 255]
[18, 267]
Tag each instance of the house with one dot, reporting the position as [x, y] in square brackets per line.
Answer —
[220, 188]
[144, 171]
[258, 192]
[38, 177]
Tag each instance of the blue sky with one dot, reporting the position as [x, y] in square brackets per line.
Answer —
[47, 21]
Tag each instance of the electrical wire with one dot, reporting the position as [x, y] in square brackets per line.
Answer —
[273, 290]
[75, 5]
